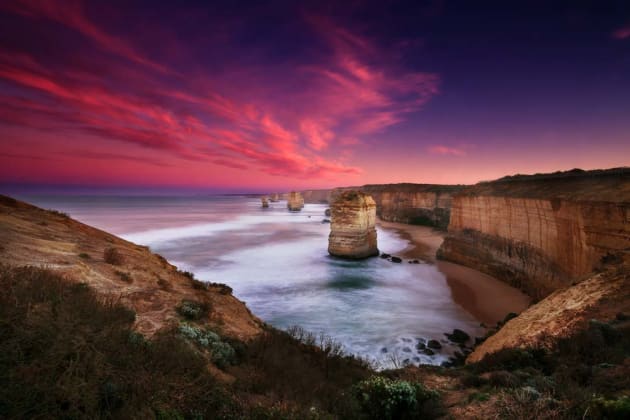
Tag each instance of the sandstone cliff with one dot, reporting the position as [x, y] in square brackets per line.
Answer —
[352, 227]
[142, 280]
[540, 233]
[295, 201]
[421, 204]
[601, 296]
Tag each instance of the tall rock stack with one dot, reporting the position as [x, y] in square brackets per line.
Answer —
[265, 202]
[352, 231]
[295, 202]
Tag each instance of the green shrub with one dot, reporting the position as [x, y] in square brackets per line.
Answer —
[84, 256]
[112, 256]
[618, 408]
[192, 310]
[223, 353]
[383, 398]
[124, 276]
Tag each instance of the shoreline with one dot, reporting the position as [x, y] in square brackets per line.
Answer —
[486, 298]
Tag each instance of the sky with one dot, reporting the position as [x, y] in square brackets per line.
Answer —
[235, 96]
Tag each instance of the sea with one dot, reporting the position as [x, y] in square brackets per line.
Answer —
[277, 262]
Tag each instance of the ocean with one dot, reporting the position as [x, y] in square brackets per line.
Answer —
[277, 262]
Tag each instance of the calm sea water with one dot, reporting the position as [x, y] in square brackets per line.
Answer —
[277, 262]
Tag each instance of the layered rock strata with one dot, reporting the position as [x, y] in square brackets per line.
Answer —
[295, 201]
[352, 227]
[420, 204]
[540, 233]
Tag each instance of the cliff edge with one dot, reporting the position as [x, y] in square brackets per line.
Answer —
[113, 267]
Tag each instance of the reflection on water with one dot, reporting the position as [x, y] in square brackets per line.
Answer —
[277, 262]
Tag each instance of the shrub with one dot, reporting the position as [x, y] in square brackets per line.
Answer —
[85, 256]
[124, 276]
[224, 289]
[59, 213]
[112, 256]
[222, 353]
[66, 353]
[383, 398]
[192, 310]
[504, 379]
[618, 408]
[163, 284]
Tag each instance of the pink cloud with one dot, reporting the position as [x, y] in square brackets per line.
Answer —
[622, 33]
[357, 89]
[446, 150]
[317, 134]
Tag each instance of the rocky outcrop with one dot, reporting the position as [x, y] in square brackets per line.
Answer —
[265, 202]
[419, 204]
[295, 201]
[352, 228]
[274, 198]
[540, 233]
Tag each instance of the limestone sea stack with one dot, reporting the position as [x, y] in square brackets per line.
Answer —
[274, 198]
[295, 202]
[352, 231]
[265, 202]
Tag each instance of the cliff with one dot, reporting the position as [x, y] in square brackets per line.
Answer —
[421, 204]
[540, 233]
[144, 281]
[561, 314]
[352, 226]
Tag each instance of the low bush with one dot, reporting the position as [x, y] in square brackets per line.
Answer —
[222, 353]
[124, 276]
[192, 310]
[85, 256]
[164, 284]
[384, 398]
[615, 408]
[66, 353]
[112, 256]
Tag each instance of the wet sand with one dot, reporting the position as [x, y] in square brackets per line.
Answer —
[489, 300]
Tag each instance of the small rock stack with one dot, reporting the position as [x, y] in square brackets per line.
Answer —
[295, 201]
[352, 227]
[265, 202]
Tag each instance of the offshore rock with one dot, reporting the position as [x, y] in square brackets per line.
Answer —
[295, 201]
[352, 228]
[265, 202]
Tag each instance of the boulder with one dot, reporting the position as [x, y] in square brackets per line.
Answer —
[396, 260]
[458, 336]
[352, 227]
[327, 213]
[434, 344]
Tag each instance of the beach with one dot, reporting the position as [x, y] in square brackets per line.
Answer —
[488, 299]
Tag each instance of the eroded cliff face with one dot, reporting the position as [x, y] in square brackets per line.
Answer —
[420, 204]
[352, 227]
[540, 235]
[601, 296]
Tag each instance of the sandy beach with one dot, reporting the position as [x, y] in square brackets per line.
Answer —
[483, 296]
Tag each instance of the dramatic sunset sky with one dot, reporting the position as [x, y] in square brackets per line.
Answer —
[238, 96]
